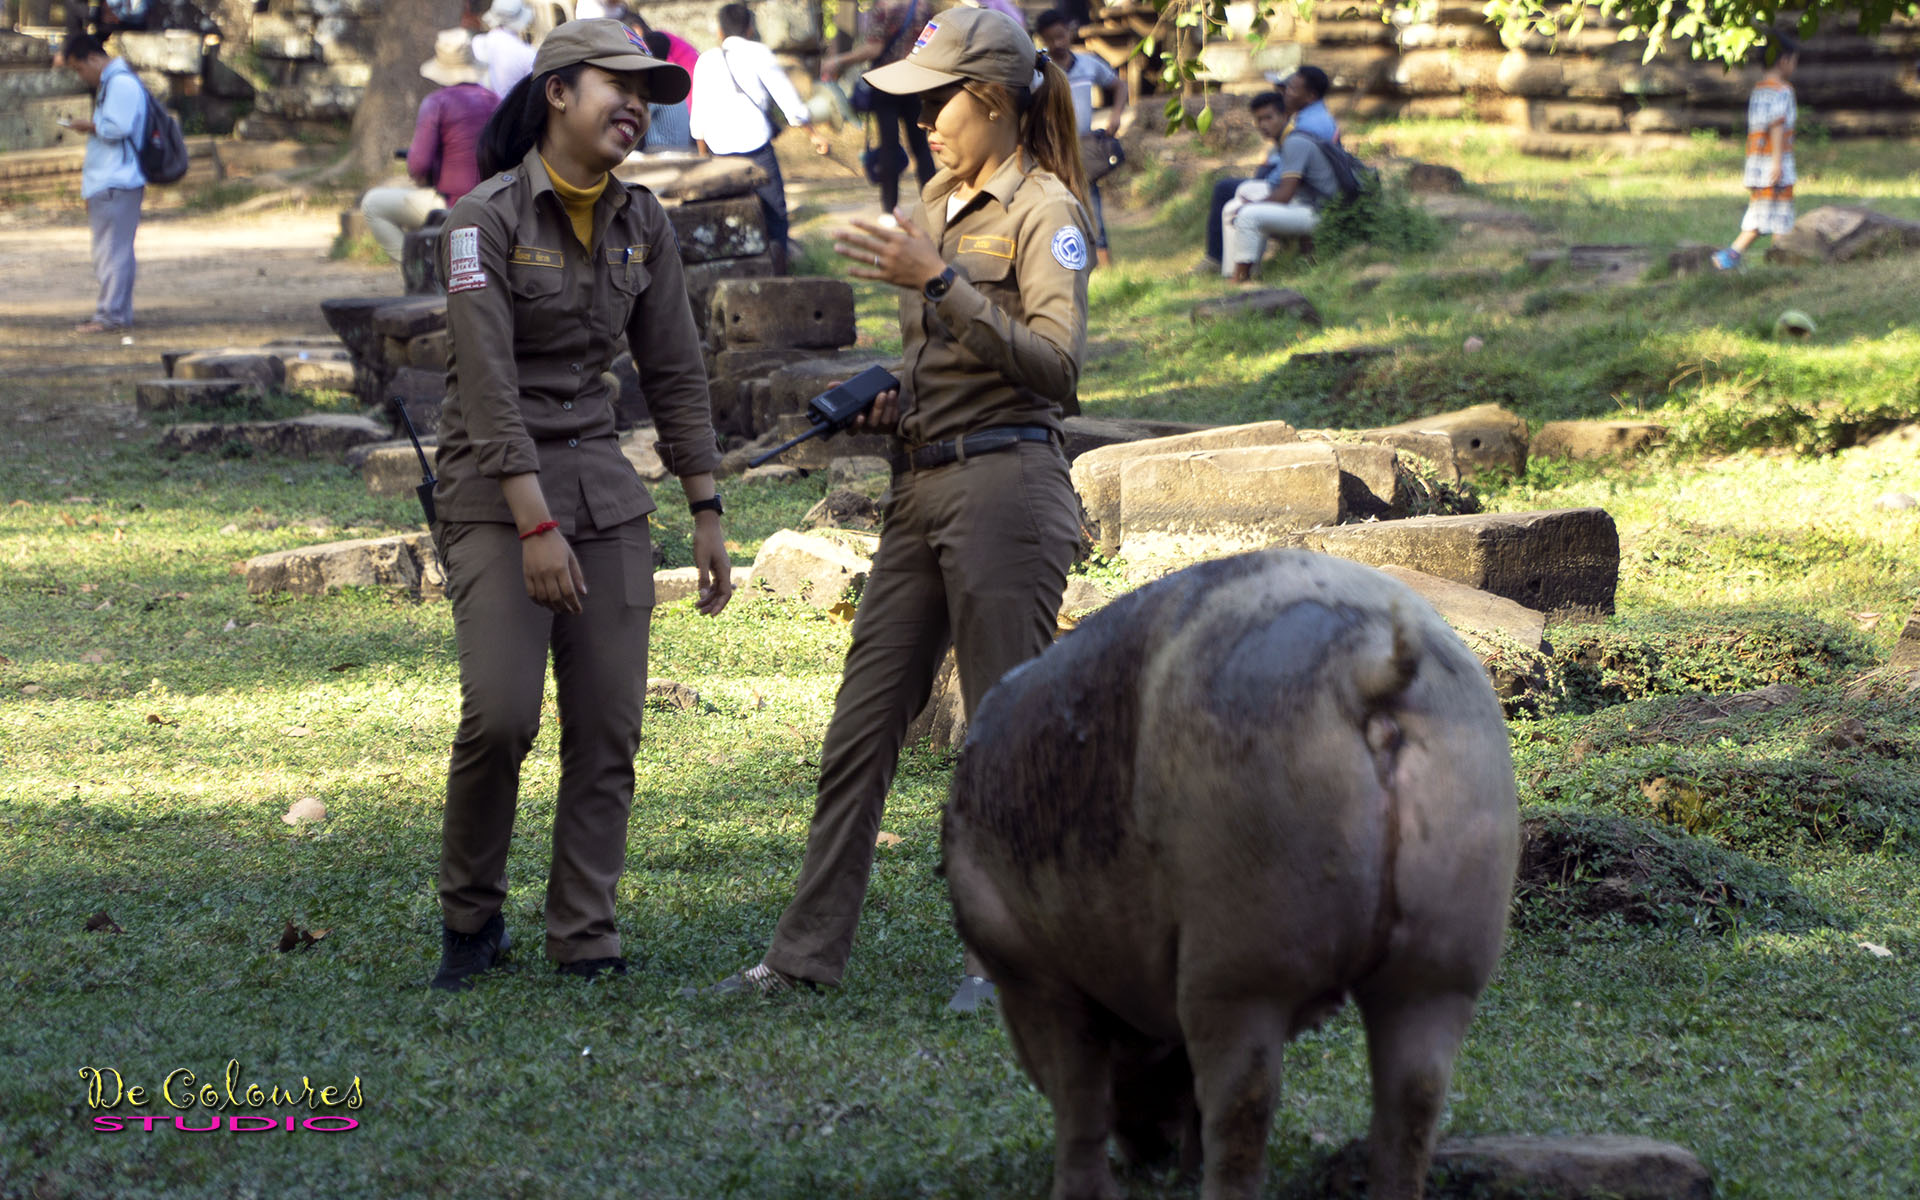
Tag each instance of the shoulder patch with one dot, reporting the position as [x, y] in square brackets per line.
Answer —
[463, 260]
[1070, 248]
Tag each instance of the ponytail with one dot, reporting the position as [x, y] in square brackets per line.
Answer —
[1049, 129]
[519, 121]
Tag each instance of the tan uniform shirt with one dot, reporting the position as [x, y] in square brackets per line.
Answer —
[534, 317]
[1003, 346]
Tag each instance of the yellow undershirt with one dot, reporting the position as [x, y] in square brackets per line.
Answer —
[577, 201]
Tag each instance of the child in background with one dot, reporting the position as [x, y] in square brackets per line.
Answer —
[1770, 173]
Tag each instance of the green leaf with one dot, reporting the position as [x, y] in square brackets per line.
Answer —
[1204, 121]
[1174, 108]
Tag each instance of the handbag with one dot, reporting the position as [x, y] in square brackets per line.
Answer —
[1100, 154]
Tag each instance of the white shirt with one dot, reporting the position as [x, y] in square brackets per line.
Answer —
[506, 56]
[587, 10]
[729, 120]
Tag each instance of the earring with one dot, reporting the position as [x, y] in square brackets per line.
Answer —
[993, 116]
[562, 107]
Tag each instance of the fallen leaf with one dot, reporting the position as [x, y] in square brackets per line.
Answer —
[103, 606]
[296, 731]
[1875, 949]
[89, 587]
[96, 656]
[305, 810]
[100, 922]
[119, 535]
[1865, 620]
[843, 611]
[67, 519]
[33, 689]
[157, 719]
[755, 700]
[887, 839]
[295, 938]
[20, 504]
[229, 528]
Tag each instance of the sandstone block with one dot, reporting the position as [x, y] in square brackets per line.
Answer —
[1596, 439]
[1509, 639]
[429, 351]
[171, 395]
[409, 318]
[638, 447]
[405, 561]
[314, 436]
[1461, 443]
[393, 353]
[844, 508]
[1096, 473]
[693, 179]
[809, 567]
[1561, 561]
[1621, 1168]
[356, 458]
[710, 229]
[772, 473]
[394, 470]
[422, 392]
[798, 382]
[1906, 651]
[858, 470]
[792, 311]
[820, 453]
[683, 583]
[703, 277]
[1210, 502]
[737, 410]
[1615, 266]
[261, 370]
[1265, 302]
[351, 319]
[1840, 232]
[319, 374]
[1433, 177]
[1091, 433]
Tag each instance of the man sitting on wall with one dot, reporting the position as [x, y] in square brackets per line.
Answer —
[1286, 199]
[1270, 117]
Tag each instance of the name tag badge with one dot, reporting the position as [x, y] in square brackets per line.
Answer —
[998, 247]
[535, 256]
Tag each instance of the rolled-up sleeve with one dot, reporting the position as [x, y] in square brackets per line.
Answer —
[480, 320]
[666, 352]
[1042, 352]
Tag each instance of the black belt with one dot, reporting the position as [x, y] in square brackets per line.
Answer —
[960, 449]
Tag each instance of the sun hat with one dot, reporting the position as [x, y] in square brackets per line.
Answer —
[453, 60]
[960, 44]
[611, 46]
[509, 14]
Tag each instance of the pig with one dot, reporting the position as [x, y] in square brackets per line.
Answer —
[1200, 821]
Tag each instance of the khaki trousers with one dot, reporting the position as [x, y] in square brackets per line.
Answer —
[600, 672]
[973, 555]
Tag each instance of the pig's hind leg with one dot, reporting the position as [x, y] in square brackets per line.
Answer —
[1062, 1041]
[1236, 1047]
[1413, 1035]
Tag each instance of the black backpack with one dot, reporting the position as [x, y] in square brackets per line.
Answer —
[1353, 176]
[163, 144]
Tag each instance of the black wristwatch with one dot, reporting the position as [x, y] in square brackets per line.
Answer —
[937, 288]
[710, 504]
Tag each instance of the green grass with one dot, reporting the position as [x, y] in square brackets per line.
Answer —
[156, 721]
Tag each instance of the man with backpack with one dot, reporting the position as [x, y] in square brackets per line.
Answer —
[1287, 199]
[111, 181]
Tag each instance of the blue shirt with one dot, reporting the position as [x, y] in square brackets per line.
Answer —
[1316, 120]
[668, 128]
[119, 118]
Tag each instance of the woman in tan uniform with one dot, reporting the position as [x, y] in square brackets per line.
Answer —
[542, 523]
[984, 522]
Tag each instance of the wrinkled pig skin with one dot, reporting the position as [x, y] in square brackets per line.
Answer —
[1198, 823]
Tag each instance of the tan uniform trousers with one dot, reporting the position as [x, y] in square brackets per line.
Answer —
[974, 555]
[600, 671]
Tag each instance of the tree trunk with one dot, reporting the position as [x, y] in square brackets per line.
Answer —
[384, 121]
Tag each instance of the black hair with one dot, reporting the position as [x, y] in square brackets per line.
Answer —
[1049, 19]
[657, 44]
[1317, 81]
[520, 119]
[736, 20]
[82, 45]
[1267, 100]
[1780, 43]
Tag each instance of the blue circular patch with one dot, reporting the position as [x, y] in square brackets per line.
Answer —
[1070, 248]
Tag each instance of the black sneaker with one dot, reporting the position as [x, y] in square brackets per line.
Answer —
[591, 969]
[464, 955]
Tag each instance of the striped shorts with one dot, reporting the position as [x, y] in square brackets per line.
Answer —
[1769, 210]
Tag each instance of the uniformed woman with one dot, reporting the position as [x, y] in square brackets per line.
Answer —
[983, 524]
[542, 522]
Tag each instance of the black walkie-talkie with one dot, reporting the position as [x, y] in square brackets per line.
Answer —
[835, 409]
[425, 490]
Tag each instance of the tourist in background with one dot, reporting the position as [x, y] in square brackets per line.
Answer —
[110, 179]
[1086, 72]
[502, 49]
[1770, 173]
[735, 84]
[1285, 201]
[441, 162]
[669, 130]
[892, 28]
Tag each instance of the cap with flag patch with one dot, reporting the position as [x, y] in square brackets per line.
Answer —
[605, 43]
[960, 44]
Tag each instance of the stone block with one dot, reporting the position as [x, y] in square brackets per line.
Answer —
[1463, 443]
[711, 229]
[1091, 433]
[1096, 472]
[172, 395]
[1564, 561]
[319, 374]
[422, 392]
[858, 471]
[1432, 177]
[1204, 503]
[170, 52]
[843, 508]
[430, 351]
[353, 225]
[280, 37]
[317, 435]
[772, 473]
[262, 370]
[1840, 232]
[683, 583]
[394, 469]
[729, 380]
[1906, 651]
[1260, 302]
[819, 453]
[703, 277]
[810, 567]
[411, 317]
[351, 319]
[638, 447]
[1690, 258]
[406, 561]
[357, 457]
[393, 353]
[1611, 266]
[693, 179]
[1491, 626]
[794, 311]
[23, 50]
[1596, 439]
[1620, 1168]
[798, 382]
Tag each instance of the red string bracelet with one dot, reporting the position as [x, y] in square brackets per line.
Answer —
[539, 529]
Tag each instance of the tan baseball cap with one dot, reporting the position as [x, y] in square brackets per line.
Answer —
[960, 44]
[605, 43]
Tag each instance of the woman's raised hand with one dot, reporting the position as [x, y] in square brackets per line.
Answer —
[901, 254]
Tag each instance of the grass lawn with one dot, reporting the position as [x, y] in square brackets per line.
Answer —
[156, 722]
